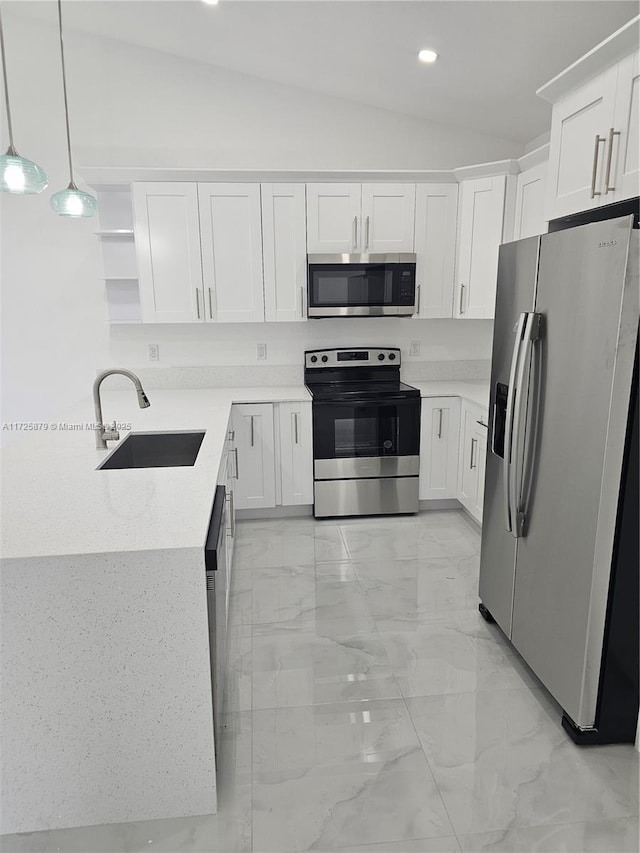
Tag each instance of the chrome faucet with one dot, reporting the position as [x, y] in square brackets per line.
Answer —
[105, 434]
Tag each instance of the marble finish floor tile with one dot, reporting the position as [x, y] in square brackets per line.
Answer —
[339, 738]
[408, 589]
[380, 542]
[238, 681]
[312, 810]
[303, 663]
[450, 653]
[419, 845]
[502, 760]
[306, 593]
[276, 544]
[369, 709]
[611, 836]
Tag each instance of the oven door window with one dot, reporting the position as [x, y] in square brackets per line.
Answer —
[342, 431]
[342, 286]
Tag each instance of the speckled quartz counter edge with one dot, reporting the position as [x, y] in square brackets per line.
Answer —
[55, 502]
[474, 392]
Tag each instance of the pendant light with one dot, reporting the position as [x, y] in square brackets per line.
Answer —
[17, 174]
[70, 201]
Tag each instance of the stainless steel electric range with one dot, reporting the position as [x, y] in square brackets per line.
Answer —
[366, 432]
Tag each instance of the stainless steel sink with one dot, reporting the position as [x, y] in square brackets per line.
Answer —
[155, 450]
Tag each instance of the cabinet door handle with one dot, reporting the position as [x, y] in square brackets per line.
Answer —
[231, 435]
[210, 304]
[607, 177]
[471, 461]
[295, 426]
[440, 424]
[594, 171]
[366, 233]
[482, 423]
[252, 433]
[236, 475]
[198, 303]
[461, 299]
[355, 232]
[302, 302]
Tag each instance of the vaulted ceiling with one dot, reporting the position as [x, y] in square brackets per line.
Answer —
[494, 54]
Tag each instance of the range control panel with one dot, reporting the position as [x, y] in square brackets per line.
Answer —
[355, 357]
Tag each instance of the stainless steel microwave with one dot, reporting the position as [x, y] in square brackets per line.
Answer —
[361, 285]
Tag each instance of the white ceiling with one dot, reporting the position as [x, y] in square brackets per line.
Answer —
[494, 54]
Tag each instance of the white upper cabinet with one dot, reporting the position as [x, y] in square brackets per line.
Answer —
[284, 245]
[480, 227]
[625, 169]
[333, 218]
[231, 237]
[578, 148]
[595, 148]
[388, 216]
[167, 238]
[530, 202]
[435, 245]
[359, 218]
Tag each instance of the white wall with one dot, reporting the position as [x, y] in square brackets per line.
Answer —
[132, 106]
[229, 344]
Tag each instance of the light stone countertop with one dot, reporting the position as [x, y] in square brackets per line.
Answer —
[55, 502]
[474, 392]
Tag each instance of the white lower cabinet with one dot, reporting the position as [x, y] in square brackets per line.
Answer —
[471, 459]
[272, 459]
[255, 486]
[296, 454]
[439, 440]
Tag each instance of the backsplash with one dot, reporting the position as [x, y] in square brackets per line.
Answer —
[224, 376]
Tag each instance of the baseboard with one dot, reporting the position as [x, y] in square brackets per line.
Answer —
[473, 520]
[442, 503]
[274, 512]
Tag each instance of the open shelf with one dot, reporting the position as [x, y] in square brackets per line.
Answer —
[119, 278]
[116, 232]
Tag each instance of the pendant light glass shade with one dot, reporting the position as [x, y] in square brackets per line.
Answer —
[19, 175]
[73, 202]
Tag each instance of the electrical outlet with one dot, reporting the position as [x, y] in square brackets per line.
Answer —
[154, 352]
[261, 352]
[415, 349]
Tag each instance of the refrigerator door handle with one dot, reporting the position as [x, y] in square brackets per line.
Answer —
[531, 334]
[508, 429]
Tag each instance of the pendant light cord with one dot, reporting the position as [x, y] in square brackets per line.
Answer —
[6, 88]
[64, 88]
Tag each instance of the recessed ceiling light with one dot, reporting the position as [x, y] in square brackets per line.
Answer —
[211, 2]
[427, 56]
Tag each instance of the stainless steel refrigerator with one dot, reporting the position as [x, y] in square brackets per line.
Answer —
[559, 559]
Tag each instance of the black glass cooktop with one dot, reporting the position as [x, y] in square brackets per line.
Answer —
[349, 391]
